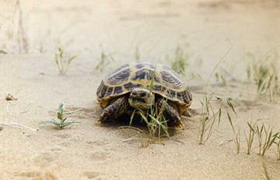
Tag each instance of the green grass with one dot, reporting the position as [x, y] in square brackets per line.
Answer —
[61, 121]
[63, 60]
[156, 125]
[154, 119]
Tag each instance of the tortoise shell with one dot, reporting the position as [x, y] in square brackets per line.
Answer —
[158, 78]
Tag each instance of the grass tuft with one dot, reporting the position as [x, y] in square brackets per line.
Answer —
[211, 115]
[154, 119]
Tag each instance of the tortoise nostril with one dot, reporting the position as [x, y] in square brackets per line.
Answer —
[133, 93]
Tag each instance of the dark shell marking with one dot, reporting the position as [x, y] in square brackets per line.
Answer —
[119, 76]
[142, 65]
[130, 86]
[146, 74]
[170, 80]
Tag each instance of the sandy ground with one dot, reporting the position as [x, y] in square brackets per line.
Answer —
[124, 29]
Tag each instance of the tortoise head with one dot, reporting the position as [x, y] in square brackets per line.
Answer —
[141, 98]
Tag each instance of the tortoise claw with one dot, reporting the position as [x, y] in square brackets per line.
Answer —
[180, 125]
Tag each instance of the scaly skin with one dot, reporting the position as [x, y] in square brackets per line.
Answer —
[171, 112]
[114, 110]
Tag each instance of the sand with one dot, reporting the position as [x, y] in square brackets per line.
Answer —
[126, 30]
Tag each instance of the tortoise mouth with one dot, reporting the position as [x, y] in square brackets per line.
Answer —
[137, 99]
[139, 103]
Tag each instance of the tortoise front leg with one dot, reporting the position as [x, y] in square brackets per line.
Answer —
[115, 109]
[169, 111]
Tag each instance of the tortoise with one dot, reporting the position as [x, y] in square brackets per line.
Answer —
[141, 86]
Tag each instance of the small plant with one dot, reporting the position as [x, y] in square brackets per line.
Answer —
[63, 60]
[211, 115]
[208, 119]
[179, 63]
[266, 138]
[265, 75]
[105, 60]
[220, 78]
[60, 122]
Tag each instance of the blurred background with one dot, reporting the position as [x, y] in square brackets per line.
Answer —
[107, 33]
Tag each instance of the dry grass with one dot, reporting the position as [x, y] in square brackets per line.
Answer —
[266, 175]
[104, 61]
[180, 61]
[20, 34]
[265, 75]
[211, 115]
[250, 136]
[237, 141]
[63, 60]
[220, 78]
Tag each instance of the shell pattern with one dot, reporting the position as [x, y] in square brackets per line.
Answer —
[160, 79]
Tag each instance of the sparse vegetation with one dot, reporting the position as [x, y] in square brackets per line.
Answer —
[105, 60]
[210, 116]
[63, 60]
[180, 61]
[61, 121]
[265, 74]
[220, 78]
[154, 119]
[266, 138]
[156, 124]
